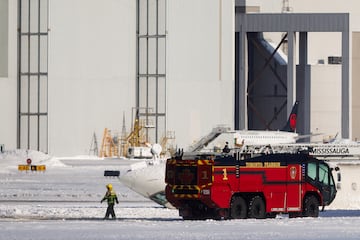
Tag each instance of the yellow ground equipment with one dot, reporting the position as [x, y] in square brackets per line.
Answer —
[37, 168]
[108, 146]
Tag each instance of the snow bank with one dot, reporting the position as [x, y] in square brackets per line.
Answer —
[20, 155]
[13, 158]
[83, 157]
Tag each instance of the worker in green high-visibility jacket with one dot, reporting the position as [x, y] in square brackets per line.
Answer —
[111, 198]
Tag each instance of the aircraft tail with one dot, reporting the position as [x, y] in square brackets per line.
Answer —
[291, 123]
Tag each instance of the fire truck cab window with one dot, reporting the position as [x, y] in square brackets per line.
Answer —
[323, 174]
[311, 171]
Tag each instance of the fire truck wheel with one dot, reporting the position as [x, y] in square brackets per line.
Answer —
[311, 206]
[238, 208]
[257, 208]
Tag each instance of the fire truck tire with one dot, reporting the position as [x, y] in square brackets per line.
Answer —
[311, 206]
[238, 208]
[257, 208]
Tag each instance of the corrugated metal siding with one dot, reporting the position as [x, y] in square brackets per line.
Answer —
[297, 22]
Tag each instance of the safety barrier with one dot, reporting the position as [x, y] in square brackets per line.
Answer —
[38, 168]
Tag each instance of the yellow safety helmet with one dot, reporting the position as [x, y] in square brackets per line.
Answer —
[109, 186]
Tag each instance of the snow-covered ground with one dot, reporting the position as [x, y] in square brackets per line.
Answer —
[64, 203]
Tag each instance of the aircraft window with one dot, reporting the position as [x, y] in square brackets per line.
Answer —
[311, 170]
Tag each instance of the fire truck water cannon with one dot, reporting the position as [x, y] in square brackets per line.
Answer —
[238, 186]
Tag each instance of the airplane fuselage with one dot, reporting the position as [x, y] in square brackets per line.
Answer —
[253, 137]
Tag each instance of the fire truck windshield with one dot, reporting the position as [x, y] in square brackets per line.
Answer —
[320, 175]
[311, 170]
[324, 174]
[319, 172]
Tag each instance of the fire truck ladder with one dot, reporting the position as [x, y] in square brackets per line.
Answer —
[323, 151]
[251, 150]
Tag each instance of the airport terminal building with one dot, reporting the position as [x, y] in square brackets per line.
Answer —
[69, 69]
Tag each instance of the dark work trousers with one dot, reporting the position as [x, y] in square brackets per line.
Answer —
[110, 211]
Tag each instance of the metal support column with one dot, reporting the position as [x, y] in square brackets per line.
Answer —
[305, 106]
[291, 72]
[241, 75]
[345, 86]
[303, 86]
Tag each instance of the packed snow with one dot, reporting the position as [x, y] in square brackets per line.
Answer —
[64, 203]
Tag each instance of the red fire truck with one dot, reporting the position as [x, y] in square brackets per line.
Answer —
[236, 186]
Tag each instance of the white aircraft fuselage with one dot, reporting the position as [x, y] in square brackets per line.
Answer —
[254, 137]
[236, 139]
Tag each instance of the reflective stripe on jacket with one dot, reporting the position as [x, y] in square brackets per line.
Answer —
[111, 197]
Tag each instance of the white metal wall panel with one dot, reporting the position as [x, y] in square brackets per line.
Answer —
[4, 25]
